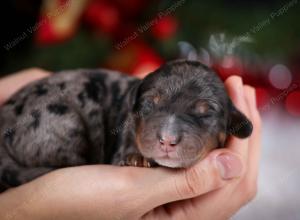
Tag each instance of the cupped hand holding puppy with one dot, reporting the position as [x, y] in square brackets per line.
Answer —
[109, 192]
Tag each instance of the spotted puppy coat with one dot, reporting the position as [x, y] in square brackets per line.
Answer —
[173, 118]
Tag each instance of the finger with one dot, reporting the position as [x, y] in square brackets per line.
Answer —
[234, 86]
[235, 89]
[255, 139]
[10, 84]
[247, 188]
[216, 170]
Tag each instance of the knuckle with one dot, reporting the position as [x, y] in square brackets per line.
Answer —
[34, 69]
[196, 181]
[37, 71]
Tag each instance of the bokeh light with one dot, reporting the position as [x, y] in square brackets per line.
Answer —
[280, 76]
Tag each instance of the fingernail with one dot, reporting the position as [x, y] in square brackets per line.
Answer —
[230, 166]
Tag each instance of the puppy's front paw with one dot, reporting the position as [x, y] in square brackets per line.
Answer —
[137, 160]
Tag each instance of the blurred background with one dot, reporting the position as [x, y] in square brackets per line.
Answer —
[258, 40]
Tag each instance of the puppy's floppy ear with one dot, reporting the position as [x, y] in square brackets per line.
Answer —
[238, 124]
[132, 94]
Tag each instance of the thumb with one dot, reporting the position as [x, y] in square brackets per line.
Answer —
[216, 170]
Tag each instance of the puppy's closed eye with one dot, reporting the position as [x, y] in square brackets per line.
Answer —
[206, 107]
[147, 106]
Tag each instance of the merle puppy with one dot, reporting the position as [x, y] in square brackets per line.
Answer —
[173, 118]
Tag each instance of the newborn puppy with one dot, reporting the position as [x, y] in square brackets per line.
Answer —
[180, 113]
[173, 118]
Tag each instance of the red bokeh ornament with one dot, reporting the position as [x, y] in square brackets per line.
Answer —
[136, 58]
[165, 27]
[102, 15]
[292, 103]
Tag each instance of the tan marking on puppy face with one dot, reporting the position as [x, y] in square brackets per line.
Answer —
[209, 146]
[222, 138]
[202, 107]
[156, 99]
[138, 136]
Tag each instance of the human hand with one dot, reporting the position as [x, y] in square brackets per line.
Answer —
[108, 192]
[11, 83]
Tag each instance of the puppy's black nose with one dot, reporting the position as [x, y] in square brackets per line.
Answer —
[168, 140]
